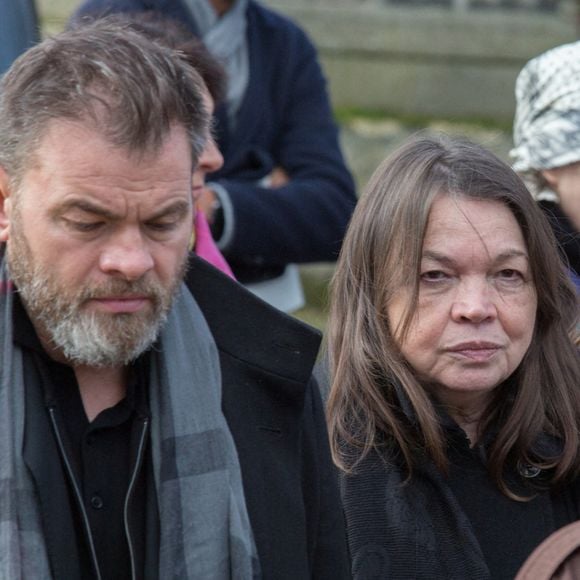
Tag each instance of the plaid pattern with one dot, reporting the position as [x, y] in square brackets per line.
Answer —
[205, 529]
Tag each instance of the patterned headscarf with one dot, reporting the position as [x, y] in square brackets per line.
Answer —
[547, 121]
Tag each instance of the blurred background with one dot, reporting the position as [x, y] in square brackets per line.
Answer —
[395, 67]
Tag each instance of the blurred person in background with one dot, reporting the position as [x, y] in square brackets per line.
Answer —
[18, 29]
[284, 194]
[454, 409]
[174, 35]
[546, 149]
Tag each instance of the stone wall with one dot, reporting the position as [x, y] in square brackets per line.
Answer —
[461, 5]
[449, 58]
[426, 60]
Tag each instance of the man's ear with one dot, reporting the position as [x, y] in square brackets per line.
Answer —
[5, 206]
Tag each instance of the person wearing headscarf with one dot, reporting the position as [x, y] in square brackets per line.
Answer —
[284, 195]
[546, 149]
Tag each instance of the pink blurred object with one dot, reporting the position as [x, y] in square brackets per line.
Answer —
[6, 286]
[205, 246]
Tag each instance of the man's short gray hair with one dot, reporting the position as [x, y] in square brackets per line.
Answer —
[131, 89]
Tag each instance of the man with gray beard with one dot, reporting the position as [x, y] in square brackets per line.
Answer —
[156, 420]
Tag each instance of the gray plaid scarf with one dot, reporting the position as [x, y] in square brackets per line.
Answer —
[205, 529]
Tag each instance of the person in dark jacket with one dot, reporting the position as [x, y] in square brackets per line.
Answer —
[18, 29]
[454, 408]
[157, 420]
[284, 194]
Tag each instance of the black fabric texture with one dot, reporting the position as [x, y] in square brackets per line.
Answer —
[275, 415]
[507, 530]
[566, 235]
[102, 455]
[453, 526]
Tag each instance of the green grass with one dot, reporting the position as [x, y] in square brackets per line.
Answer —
[346, 115]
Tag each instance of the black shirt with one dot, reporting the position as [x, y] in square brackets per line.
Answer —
[566, 235]
[507, 530]
[101, 454]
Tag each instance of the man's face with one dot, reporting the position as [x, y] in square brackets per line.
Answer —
[97, 242]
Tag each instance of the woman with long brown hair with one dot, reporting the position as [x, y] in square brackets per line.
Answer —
[454, 408]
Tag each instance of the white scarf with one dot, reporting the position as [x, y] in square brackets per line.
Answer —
[226, 39]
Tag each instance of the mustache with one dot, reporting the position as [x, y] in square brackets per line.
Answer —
[120, 288]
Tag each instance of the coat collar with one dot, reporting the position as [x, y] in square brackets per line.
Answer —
[248, 329]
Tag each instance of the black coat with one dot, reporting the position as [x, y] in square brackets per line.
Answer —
[274, 412]
[565, 232]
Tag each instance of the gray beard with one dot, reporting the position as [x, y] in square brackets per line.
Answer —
[94, 339]
[89, 338]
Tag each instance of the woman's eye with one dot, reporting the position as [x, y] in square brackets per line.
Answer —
[434, 276]
[510, 275]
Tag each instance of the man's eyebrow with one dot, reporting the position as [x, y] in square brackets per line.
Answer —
[86, 206]
[179, 208]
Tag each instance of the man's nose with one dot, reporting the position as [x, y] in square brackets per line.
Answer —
[127, 256]
[474, 302]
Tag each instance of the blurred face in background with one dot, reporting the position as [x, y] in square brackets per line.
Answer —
[210, 159]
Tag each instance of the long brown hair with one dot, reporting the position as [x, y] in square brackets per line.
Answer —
[381, 255]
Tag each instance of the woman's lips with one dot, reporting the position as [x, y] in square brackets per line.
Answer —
[475, 351]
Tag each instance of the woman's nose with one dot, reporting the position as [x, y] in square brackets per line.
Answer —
[474, 302]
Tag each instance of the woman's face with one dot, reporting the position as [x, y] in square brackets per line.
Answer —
[477, 304]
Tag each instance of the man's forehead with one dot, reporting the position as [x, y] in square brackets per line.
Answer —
[74, 160]
[78, 142]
